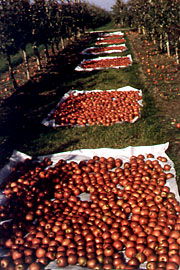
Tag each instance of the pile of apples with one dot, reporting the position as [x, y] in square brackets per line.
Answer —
[124, 61]
[131, 219]
[98, 108]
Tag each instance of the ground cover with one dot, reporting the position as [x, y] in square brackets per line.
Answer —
[161, 77]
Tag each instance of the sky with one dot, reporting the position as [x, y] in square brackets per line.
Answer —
[106, 4]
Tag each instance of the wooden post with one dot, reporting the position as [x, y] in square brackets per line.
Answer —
[143, 31]
[177, 53]
[161, 42]
[46, 52]
[62, 43]
[167, 45]
[26, 64]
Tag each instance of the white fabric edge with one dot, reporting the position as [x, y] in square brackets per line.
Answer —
[103, 38]
[110, 35]
[85, 154]
[113, 33]
[104, 32]
[85, 52]
[104, 42]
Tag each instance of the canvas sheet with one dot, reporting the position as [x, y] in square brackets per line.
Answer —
[118, 33]
[107, 33]
[80, 68]
[49, 122]
[114, 49]
[114, 33]
[86, 154]
[111, 41]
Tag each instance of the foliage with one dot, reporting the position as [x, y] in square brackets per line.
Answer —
[7, 26]
[158, 20]
[120, 13]
[96, 17]
[44, 22]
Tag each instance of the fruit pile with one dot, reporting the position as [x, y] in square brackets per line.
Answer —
[131, 219]
[111, 41]
[104, 62]
[98, 108]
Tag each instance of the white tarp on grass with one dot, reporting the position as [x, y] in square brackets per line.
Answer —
[49, 122]
[114, 49]
[119, 33]
[104, 41]
[80, 68]
[86, 154]
[110, 35]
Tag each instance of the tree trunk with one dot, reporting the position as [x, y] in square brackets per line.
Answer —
[57, 46]
[177, 53]
[62, 43]
[11, 72]
[143, 31]
[26, 64]
[46, 52]
[38, 59]
[167, 46]
[153, 36]
[52, 49]
[161, 42]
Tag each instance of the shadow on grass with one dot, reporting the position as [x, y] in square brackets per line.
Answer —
[21, 113]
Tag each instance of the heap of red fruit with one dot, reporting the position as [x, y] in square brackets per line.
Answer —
[98, 108]
[123, 61]
[133, 218]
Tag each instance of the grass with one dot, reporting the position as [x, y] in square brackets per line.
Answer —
[22, 113]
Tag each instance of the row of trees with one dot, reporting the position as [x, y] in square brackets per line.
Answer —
[157, 19]
[45, 22]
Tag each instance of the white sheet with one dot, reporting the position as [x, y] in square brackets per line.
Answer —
[51, 122]
[85, 154]
[114, 50]
[79, 68]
